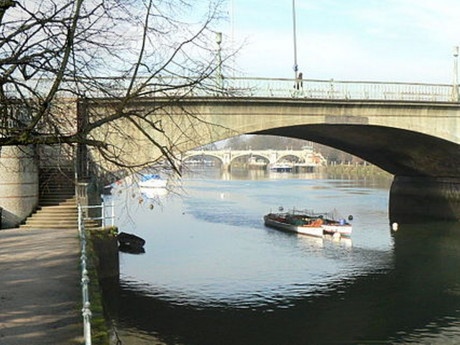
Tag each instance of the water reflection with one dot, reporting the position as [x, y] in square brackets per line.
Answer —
[223, 278]
[427, 263]
[415, 301]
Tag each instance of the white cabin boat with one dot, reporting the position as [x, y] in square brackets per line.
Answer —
[294, 223]
[152, 181]
[282, 167]
[309, 223]
[340, 227]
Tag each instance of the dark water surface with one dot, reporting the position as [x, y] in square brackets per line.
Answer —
[213, 274]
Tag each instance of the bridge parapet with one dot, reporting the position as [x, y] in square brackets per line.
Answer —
[243, 87]
[306, 88]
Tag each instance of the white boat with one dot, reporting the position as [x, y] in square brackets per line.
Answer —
[309, 223]
[282, 167]
[332, 227]
[294, 223]
[153, 193]
[335, 225]
[152, 181]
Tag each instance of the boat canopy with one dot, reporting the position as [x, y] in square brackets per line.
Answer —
[150, 177]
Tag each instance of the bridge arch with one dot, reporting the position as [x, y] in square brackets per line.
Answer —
[417, 141]
[192, 154]
[426, 169]
[283, 157]
[399, 151]
[249, 154]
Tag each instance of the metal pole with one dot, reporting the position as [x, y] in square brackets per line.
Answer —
[113, 214]
[296, 67]
[87, 325]
[455, 93]
[219, 60]
[86, 310]
[103, 213]
[233, 34]
[80, 218]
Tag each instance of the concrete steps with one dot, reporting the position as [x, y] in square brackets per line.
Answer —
[59, 215]
[57, 204]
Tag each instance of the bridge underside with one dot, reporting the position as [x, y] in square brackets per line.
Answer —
[426, 169]
[424, 160]
[400, 152]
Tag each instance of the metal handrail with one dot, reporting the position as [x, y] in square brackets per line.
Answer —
[86, 310]
[168, 86]
[103, 206]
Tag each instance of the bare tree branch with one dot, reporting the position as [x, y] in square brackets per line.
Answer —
[61, 60]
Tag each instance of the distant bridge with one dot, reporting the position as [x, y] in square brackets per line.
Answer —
[306, 157]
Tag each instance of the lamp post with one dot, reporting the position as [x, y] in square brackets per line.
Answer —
[296, 67]
[455, 94]
[219, 60]
[232, 41]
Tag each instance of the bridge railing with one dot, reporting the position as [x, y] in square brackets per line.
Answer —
[255, 87]
[336, 89]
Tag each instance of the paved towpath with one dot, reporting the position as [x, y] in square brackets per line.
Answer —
[40, 287]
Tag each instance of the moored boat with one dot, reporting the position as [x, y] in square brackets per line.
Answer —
[152, 181]
[309, 223]
[294, 223]
[130, 240]
[334, 224]
[332, 227]
[282, 167]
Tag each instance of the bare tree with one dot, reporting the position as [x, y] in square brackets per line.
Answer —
[74, 72]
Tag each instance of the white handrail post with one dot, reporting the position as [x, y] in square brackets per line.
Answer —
[112, 223]
[455, 92]
[79, 220]
[103, 213]
[86, 311]
[87, 324]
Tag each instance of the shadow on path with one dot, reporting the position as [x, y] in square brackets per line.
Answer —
[39, 287]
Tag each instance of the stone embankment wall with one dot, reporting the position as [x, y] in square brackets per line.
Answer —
[18, 184]
[356, 171]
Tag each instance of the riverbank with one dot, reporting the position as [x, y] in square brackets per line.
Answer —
[40, 289]
[355, 171]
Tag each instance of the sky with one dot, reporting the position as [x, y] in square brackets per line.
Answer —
[372, 40]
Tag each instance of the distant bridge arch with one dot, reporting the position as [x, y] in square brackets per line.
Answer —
[226, 157]
[202, 153]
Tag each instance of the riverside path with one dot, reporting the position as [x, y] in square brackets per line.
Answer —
[40, 289]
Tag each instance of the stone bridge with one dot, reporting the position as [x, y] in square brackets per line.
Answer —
[416, 141]
[409, 130]
[226, 157]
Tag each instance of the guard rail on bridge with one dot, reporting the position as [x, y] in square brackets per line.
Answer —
[342, 90]
[111, 87]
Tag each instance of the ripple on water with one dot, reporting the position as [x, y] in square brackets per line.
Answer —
[218, 256]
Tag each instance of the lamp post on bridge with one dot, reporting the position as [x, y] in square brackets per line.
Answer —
[455, 93]
[219, 61]
[296, 66]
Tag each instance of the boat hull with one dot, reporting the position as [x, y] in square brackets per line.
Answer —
[154, 183]
[316, 231]
[343, 230]
[130, 240]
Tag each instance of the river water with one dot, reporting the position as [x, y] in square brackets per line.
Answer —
[213, 274]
